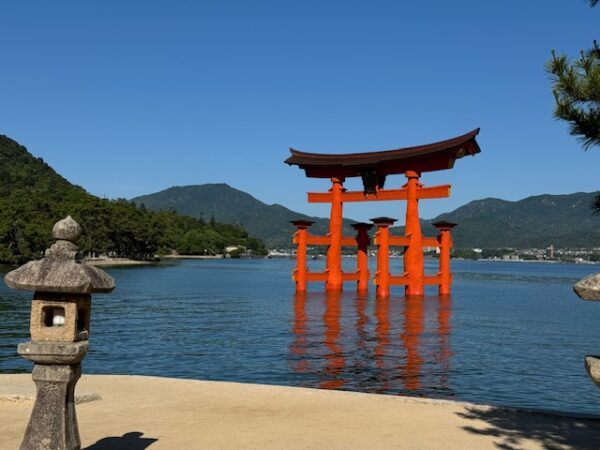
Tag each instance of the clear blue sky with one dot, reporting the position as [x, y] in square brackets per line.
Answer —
[127, 98]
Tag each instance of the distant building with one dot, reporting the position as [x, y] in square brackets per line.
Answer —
[550, 252]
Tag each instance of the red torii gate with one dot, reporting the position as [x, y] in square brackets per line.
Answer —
[373, 168]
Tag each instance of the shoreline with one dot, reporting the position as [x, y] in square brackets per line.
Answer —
[109, 262]
[124, 411]
[123, 262]
[192, 257]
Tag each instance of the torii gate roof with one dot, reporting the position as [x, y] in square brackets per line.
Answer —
[422, 158]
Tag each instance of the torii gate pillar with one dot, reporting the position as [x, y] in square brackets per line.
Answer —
[413, 255]
[362, 255]
[445, 241]
[382, 240]
[333, 268]
[300, 239]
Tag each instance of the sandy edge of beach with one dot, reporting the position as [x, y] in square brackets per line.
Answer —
[163, 413]
[109, 262]
[113, 262]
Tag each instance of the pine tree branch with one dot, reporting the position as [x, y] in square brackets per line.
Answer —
[576, 89]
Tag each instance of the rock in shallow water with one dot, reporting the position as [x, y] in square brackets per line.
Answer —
[592, 365]
[588, 288]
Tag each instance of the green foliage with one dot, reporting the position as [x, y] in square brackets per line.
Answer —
[237, 253]
[488, 253]
[576, 88]
[33, 197]
[464, 253]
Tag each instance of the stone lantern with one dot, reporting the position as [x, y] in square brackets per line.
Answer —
[60, 325]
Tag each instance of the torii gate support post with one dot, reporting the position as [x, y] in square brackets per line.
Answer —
[300, 239]
[382, 240]
[334, 251]
[413, 255]
[445, 241]
[362, 255]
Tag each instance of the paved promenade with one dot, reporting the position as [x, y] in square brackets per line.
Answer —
[137, 413]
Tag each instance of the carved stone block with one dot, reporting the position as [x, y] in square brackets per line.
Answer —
[60, 317]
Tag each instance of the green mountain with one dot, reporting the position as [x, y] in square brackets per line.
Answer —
[33, 197]
[271, 223]
[539, 221]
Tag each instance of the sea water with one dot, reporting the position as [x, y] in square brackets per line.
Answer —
[511, 334]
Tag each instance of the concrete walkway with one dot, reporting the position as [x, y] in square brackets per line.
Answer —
[137, 413]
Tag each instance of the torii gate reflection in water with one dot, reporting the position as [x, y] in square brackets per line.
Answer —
[373, 168]
[390, 344]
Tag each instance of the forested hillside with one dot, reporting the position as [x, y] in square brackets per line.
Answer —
[271, 223]
[33, 197]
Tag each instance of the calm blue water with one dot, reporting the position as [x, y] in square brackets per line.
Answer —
[512, 334]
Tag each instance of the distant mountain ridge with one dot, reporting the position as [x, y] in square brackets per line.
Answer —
[271, 223]
[538, 221]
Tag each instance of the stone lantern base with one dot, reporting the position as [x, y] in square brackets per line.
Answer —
[53, 422]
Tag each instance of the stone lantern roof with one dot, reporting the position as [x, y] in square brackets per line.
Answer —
[61, 269]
